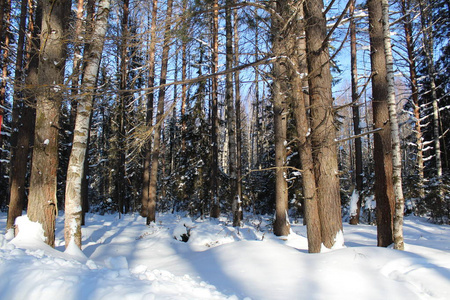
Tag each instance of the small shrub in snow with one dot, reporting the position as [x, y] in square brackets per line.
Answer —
[182, 231]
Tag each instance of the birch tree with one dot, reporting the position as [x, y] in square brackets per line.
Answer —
[73, 200]
[395, 133]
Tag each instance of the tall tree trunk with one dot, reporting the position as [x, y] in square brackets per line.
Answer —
[5, 8]
[42, 204]
[382, 152]
[23, 114]
[17, 192]
[151, 209]
[414, 94]
[183, 86]
[281, 226]
[238, 210]
[303, 127]
[149, 117]
[428, 49]
[322, 123]
[124, 99]
[231, 113]
[354, 216]
[215, 208]
[75, 171]
[395, 133]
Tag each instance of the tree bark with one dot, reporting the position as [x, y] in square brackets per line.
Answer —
[5, 16]
[414, 94]
[354, 216]
[215, 207]
[151, 209]
[238, 210]
[303, 127]
[42, 204]
[382, 153]
[428, 50]
[395, 133]
[23, 119]
[281, 226]
[76, 168]
[231, 114]
[149, 117]
[323, 131]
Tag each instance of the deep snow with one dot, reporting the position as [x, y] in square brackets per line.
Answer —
[122, 258]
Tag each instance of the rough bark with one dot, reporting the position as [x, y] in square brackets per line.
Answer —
[5, 16]
[237, 216]
[281, 226]
[149, 116]
[76, 168]
[231, 115]
[323, 131]
[23, 119]
[42, 204]
[382, 153]
[414, 94]
[428, 49]
[151, 209]
[303, 127]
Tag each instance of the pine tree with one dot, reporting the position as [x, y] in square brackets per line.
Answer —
[42, 204]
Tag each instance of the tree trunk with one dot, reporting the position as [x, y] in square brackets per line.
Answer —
[238, 215]
[231, 114]
[42, 204]
[428, 49]
[76, 168]
[303, 127]
[382, 153]
[281, 226]
[395, 133]
[322, 123]
[5, 7]
[215, 208]
[354, 216]
[151, 209]
[22, 138]
[414, 94]
[149, 116]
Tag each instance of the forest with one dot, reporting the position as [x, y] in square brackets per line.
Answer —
[329, 112]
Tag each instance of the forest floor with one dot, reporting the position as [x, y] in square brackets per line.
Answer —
[122, 259]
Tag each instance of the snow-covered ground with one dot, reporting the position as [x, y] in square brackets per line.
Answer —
[123, 259]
